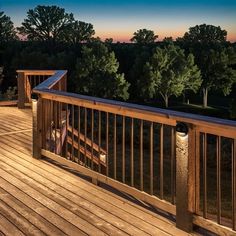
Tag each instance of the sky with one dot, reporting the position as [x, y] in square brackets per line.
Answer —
[119, 19]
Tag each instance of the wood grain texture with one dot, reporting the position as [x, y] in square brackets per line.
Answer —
[222, 127]
[39, 198]
[8, 103]
[53, 89]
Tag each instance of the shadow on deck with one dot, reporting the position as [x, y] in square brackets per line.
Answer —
[38, 197]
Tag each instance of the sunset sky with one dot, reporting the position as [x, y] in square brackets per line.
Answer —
[119, 19]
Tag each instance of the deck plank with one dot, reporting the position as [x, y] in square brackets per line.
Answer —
[26, 212]
[79, 205]
[24, 225]
[70, 202]
[8, 228]
[93, 201]
[36, 200]
[39, 208]
[50, 204]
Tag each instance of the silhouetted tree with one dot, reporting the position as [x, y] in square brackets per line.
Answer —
[96, 73]
[205, 34]
[217, 72]
[7, 30]
[208, 44]
[80, 32]
[169, 72]
[166, 41]
[108, 40]
[144, 36]
[137, 75]
[95, 40]
[47, 23]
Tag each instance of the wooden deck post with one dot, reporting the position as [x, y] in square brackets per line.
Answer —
[37, 123]
[184, 183]
[21, 90]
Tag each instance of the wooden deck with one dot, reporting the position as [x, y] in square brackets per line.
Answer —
[40, 198]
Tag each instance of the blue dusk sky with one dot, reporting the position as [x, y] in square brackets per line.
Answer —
[119, 19]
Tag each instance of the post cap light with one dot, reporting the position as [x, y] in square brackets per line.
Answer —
[34, 96]
[182, 128]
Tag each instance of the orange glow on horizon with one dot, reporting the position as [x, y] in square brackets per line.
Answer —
[231, 38]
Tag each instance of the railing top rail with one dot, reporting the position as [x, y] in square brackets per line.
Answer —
[204, 123]
[37, 72]
[52, 80]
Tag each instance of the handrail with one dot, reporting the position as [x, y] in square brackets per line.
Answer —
[51, 81]
[26, 80]
[214, 125]
[37, 72]
[188, 157]
[123, 107]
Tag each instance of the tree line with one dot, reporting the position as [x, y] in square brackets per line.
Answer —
[200, 61]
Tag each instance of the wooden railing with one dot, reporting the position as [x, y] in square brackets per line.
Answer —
[28, 79]
[181, 163]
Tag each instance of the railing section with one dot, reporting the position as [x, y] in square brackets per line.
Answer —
[183, 164]
[26, 81]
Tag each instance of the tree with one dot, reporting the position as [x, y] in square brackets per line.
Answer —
[80, 32]
[46, 23]
[217, 72]
[108, 41]
[137, 76]
[169, 72]
[168, 40]
[208, 44]
[144, 36]
[205, 34]
[7, 30]
[97, 75]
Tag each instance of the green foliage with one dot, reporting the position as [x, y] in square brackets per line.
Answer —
[217, 71]
[213, 56]
[169, 72]
[144, 36]
[31, 60]
[167, 40]
[205, 34]
[217, 62]
[42, 60]
[108, 40]
[7, 30]
[80, 32]
[47, 23]
[96, 73]
[138, 77]
[10, 93]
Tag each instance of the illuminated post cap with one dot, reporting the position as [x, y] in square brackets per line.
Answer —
[34, 96]
[181, 128]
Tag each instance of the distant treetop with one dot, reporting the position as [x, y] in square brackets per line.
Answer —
[7, 30]
[44, 23]
[205, 34]
[52, 23]
[81, 32]
[144, 36]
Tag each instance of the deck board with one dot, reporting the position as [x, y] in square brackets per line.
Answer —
[40, 198]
